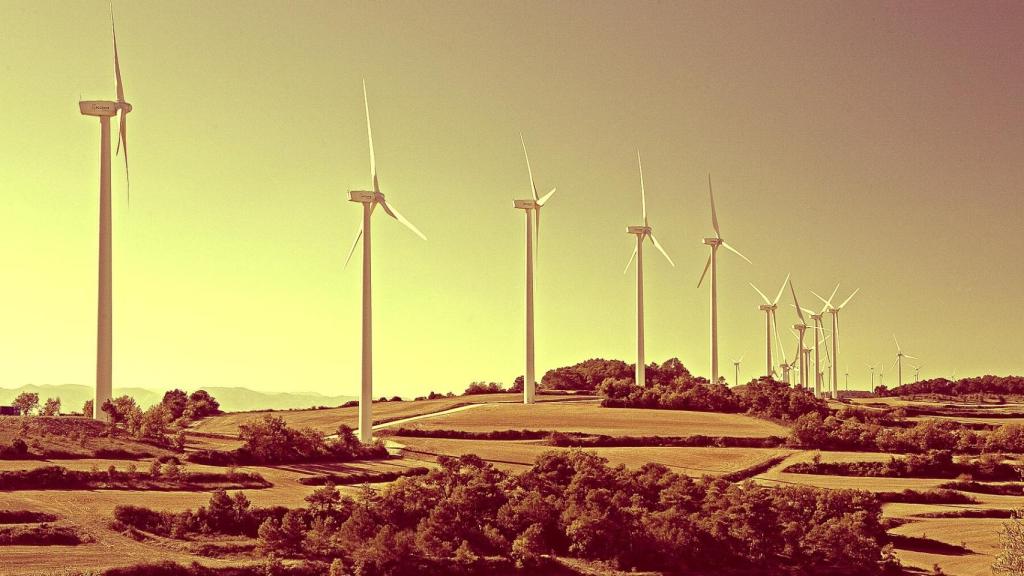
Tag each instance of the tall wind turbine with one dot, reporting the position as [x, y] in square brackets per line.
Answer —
[370, 199]
[872, 368]
[712, 263]
[105, 110]
[531, 207]
[769, 307]
[834, 310]
[801, 327]
[641, 233]
[899, 360]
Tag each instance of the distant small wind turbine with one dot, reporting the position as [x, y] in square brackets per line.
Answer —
[641, 233]
[712, 263]
[801, 327]
[899, 359]
[917, 373]
[834, 310]
[736, 364]
[769, 307]
[370, 199]
[531, 207]
[872, 368]
[106, 109]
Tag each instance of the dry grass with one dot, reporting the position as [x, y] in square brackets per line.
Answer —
[591, 418]
[520, 455]
[980, 535]
[69, 434]
[327, 420]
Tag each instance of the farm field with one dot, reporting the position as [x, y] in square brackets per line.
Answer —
[979, 535]
[519, 455]
[591, 418]
[327, 420]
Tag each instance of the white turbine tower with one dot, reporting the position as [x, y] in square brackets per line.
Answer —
[917, 373]
[370, 199]
[712, 263]
[899, 360]
[801, 328]
[531, 207]
[641, 233]
[834, 310]
[872, 368]
[770, 325]
[105, 110]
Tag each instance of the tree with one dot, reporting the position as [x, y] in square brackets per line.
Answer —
[124, 411]
[175, 401]
[200, 405]
[1010, 561]
[26, 402]
[52, 407]
[323, 501]
[87, 409]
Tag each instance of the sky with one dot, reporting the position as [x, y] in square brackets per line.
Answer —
[876, 144]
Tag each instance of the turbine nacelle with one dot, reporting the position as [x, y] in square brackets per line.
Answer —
[713, 242]
[767, 307]
[365, 196]
[638, 230]
[100, 108]
[528, 204]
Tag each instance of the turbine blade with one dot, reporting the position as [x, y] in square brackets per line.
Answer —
[894, 363]
[796, 303]
[705, 272]
[781, 288]
[536, 235]
[714, 213]
[823, 301]
[778, 340]
[626, 269]
[117, 62]
[662, 250]
[737, 252]
[898, 349]
[847, 301]
[643, 193]
[369, 135]
[911, 357]
[533, 185]
[763, 297]
[122, 140]
[833, 295]
[355, 243]
[544, 199]
[398, 216]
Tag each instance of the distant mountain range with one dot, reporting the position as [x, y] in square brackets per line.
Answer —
[232, 399]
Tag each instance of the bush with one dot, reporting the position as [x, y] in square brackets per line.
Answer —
[41, 535]
[270, 440]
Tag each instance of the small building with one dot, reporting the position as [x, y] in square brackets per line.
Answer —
[9, 411]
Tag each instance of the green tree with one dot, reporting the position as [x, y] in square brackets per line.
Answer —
[175, 401]
[52, 407]
[87, 409]
[26, 402]
[1010, 560]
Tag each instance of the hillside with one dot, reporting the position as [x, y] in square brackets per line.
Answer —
[232, 399]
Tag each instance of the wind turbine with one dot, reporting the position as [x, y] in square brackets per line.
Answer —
[370, 199]
[800, 328]
[917, 373]
[899, 359]
[642, 232]
[531, 207]
[818, 328]
[736, 364]
[712, 263]
[105, 110]
[872, 368]
[770, 324]
[834, 310]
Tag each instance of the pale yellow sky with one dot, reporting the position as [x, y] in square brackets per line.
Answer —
[877, 144]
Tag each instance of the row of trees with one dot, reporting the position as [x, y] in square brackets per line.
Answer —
[269, 440]
[27, 404]
[1001, 385]
[765, 398]
[156, 423]
[570, 503]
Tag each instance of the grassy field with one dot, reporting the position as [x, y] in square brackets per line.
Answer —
[70, 435]
[513, 455]
[979, 535]
[327, 420]
[591, 418]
